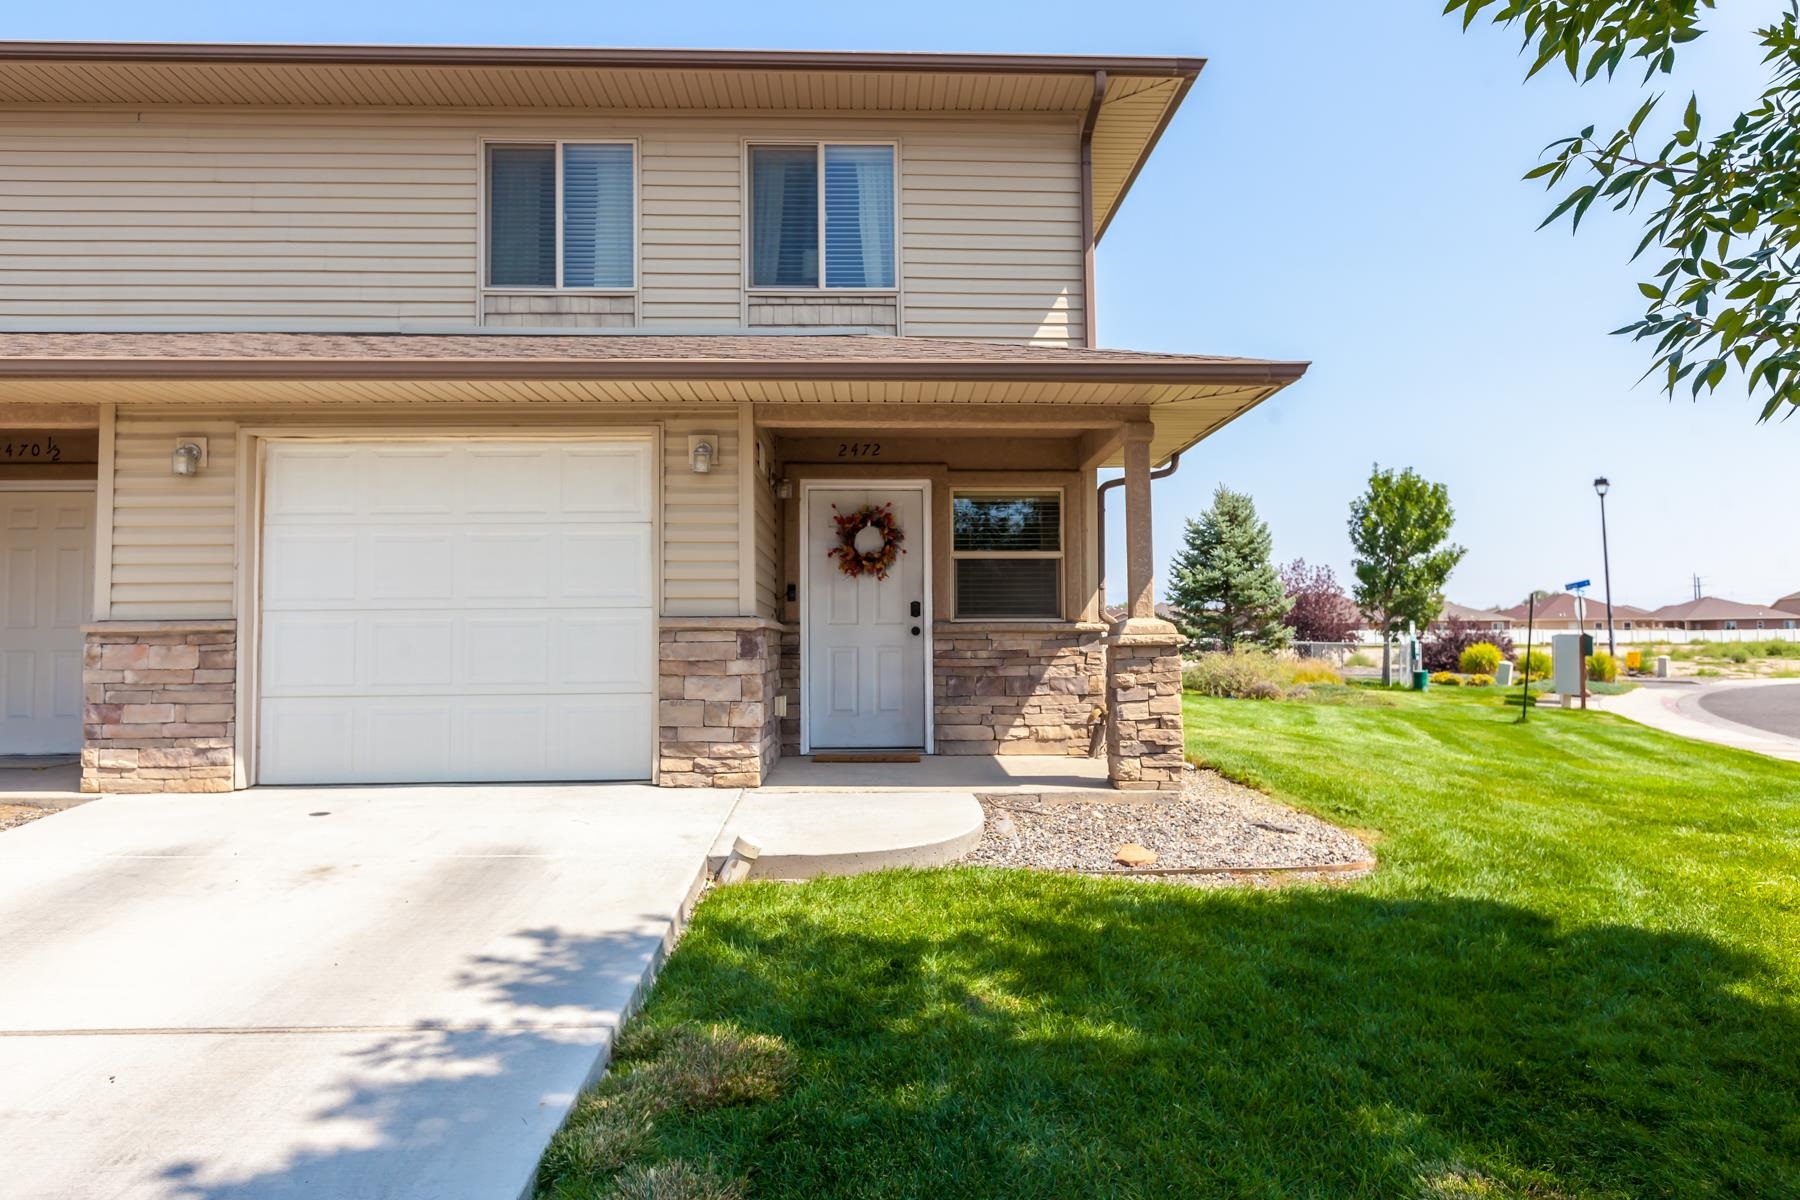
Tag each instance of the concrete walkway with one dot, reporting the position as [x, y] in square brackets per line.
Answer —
[360, 992]
[322, 992]
[1681, 710]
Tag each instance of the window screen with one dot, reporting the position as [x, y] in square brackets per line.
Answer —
[597, 216]
[859, 216]
[1007, 551]
[522, 216]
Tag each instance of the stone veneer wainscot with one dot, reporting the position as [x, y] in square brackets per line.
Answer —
[716, 722]
[1019, 687]
[160, 706]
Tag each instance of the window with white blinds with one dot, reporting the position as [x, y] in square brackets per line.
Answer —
[1006, 551]
[822, 215]
[562, 215]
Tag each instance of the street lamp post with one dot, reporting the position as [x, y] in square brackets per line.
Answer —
[1601, 487]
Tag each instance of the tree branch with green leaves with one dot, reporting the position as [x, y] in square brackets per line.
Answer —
[1723, 206]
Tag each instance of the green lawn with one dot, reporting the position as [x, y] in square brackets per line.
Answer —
[1575, 974]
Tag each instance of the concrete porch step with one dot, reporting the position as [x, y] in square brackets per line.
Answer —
[808, 833]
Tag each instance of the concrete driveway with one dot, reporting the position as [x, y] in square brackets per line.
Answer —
[331, 993]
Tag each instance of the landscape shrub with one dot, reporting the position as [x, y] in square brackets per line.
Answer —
[1359, 659]
[1479, 659]
[1312, 670]
[1539, 663]
[1446, 679]
[1480, 680]
[1250, 674]
[1602, 667]
[1443, 645]
[1241, 674]
[1736, 654]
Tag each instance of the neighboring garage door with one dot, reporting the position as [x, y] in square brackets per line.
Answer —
[457, 611]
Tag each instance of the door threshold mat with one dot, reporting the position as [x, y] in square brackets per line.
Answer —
[868, 756]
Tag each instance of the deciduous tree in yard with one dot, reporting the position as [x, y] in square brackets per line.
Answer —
[1321, 611]
[1721, 196]
[1224, 588]
[1399, 530]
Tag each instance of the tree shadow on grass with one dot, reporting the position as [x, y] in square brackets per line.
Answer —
[1017, 1035]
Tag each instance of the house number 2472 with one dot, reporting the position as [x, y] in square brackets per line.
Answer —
[859, 450]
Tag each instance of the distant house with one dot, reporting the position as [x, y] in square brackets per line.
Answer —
[1556, 614]
[1710, 612]
[1484, 618]
[1788, 603]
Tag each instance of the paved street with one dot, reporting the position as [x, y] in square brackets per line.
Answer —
[1775, 709]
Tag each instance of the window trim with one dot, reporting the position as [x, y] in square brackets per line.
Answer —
[557, 143]
[1060, 553]
[747, 221]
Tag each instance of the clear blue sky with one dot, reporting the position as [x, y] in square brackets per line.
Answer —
[1342, 186]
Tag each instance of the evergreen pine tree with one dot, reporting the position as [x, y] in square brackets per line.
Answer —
[1224, 588]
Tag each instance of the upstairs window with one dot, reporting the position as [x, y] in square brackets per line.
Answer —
[822, 215]
[1007, 554]
[562, 214]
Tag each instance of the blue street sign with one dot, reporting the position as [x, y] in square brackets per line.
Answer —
[1576, 587]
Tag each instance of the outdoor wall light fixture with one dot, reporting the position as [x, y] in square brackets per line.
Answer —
[187, 457]
[702, 451]
[784, 489]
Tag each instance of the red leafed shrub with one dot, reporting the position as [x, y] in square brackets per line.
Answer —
[1443, 646]
[1321, 612]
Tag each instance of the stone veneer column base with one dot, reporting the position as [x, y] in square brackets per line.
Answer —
[1143, 707]
[160, 709]
[716, 723]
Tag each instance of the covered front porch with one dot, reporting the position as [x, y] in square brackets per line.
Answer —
[982, 635]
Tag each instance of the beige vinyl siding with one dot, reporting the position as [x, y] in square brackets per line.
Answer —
[768, 548]
[165, 217]
[174, 539]
[691, 244]
[700, 520]
[991, 233]
[295, 218]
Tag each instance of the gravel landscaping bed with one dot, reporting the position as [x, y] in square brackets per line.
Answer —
[1213, 823]
[18, 814]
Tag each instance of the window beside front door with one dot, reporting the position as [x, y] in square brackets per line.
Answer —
[562, 215]
[1006, 554]
[822, 215]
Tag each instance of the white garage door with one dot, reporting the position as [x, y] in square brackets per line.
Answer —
[457, 612]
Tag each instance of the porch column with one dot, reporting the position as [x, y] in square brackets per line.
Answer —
[1143, 659]
[1139, 556]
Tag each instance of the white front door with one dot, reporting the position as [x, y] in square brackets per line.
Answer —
[46, 590]
[457, 611]
[865, 637]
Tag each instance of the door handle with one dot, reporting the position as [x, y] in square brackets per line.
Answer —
[915, 631]
[915, 609]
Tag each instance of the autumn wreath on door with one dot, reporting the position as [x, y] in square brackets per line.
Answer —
[858, 551]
